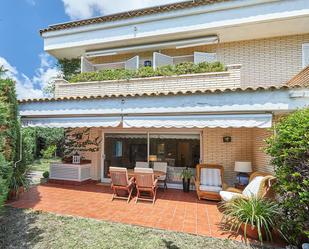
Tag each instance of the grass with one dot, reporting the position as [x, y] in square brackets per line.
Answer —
[42, 164]
[32, 229]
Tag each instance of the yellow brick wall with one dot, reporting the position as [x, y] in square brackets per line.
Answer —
[270, 61]
[261, 160]
[247, 145]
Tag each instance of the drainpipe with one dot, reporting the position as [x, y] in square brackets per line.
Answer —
[20, 148]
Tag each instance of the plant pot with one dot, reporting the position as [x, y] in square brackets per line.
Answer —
[14, 195]
[185, 185]
[253, 232]
[43, 180]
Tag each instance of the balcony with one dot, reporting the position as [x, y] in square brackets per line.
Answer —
[152, 85]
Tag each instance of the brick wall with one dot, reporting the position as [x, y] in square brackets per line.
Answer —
[261, 160]
[192, 82]
[247, 145]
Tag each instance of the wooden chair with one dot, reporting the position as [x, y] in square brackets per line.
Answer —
[121, 183]
[161, 166]
[145, 182]
[209, 181]
[259, 185]
[142, 165]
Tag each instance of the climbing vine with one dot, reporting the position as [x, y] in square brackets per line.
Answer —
[78, 141]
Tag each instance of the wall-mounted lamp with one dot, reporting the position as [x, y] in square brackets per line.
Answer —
[227, 139]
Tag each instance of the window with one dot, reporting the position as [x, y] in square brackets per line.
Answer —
[305, 55]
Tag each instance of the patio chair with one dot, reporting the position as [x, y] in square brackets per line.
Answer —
[259, 185]
[142, 165]
[209, 181]
[121, 183]
[161, 166]
[145, 183]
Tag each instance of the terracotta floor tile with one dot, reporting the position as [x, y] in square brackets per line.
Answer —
[173, 209]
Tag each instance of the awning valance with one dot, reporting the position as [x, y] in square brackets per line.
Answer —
[199, 121]
[72, 122]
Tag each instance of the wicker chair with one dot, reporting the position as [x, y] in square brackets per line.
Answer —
[120, 183]
[209, 181]
[259, 185]
[145, 183]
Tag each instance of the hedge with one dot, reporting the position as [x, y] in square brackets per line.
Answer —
[289, 148]
[143, 72]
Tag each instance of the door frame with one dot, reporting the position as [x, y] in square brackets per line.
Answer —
[148, 132]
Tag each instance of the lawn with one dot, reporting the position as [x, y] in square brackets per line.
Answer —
[32, 229]
[42, 164]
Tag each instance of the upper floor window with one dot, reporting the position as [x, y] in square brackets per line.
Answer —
[305, 55]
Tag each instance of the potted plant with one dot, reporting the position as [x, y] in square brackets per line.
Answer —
[254, 216]
[186, 176]
[45, 177]
[19, 182]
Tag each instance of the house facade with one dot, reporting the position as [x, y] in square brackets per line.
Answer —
[216, 117]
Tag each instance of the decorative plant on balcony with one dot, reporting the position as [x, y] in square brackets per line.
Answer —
[79, 140]
[254, 216]
[144, 72]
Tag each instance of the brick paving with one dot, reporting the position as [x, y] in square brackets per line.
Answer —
[173, 210]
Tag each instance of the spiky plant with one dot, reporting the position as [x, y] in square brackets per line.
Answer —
[258, 212]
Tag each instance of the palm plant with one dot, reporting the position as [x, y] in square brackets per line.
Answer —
[19, 179]
[253, 213]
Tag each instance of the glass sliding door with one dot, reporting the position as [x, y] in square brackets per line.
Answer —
[177, 150]
[124, 150]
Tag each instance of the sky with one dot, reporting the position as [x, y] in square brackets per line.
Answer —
[21, 47]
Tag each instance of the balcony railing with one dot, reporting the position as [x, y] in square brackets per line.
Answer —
[152, 85]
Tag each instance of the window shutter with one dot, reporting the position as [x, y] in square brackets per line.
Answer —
[305, 54]
[160, 60]
[86, 65]
[204, 57]
[133, 63]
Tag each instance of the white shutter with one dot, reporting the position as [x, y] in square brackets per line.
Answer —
[160, 60]
[86, 66]
[305, 55]
[132, 64]
[204, 57]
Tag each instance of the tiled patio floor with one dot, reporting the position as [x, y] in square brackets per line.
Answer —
[173, 210]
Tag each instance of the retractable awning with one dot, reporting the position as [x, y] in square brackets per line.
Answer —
[183, 121]
[72, 122]
[199, 121]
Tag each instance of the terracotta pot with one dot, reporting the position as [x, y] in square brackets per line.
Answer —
[253, 232]
[14, 195]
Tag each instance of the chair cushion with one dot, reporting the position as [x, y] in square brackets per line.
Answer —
[210, 188]
[227, 196]
[211, 177]
[252, 188]
[161, 178]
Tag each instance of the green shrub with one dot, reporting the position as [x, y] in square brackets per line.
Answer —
[259, 213]
[49, 152]
[143, 72]
[29, 145]
[289, 148]
[46, 174]
[9, 135]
